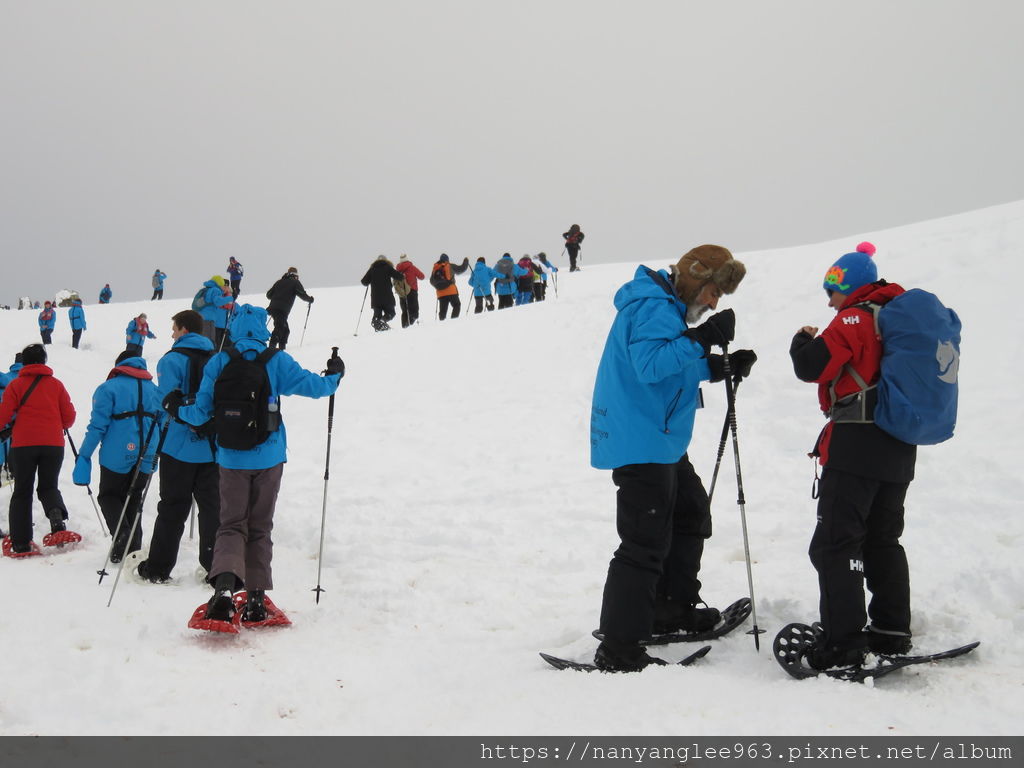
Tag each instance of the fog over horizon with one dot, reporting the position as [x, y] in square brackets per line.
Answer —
[319, 135]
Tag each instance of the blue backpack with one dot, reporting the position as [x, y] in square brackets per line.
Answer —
[917, 388]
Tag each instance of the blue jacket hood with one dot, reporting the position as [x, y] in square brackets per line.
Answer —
[193, 341]
[249, 322]
[646, 284]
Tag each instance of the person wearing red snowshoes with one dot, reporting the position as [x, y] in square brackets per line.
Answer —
[250, 477]
[41, 410]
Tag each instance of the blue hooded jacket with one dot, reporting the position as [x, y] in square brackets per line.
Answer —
[645, 395]
[173, 372]
[133, 336]
[47, 322]
[216, 303]
[77, 316]
[481, 279]
[287, 377]
[119, 436]
[510, 288]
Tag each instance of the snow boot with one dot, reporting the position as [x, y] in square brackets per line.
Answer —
[56, 518]
[221, 607]
[671, 616]
[254, 609]
[888, 642]
[612, 657]
[147, 573]
[848, 653]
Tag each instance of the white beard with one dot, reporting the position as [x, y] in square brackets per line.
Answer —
[694, 313]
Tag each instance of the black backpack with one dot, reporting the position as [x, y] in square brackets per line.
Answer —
[437, 278]
[197, 360]
[244, 409]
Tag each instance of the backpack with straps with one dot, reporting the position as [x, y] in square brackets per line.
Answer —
[197, 360]
[200, 300]
[504, 267]
[244, 407]
[438, 279]
[915, 399]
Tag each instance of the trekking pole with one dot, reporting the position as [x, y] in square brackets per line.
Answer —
[327, 474]
[124, 508]
[302, 338]
[192, 520]
[730, 393]
[227, 319]
[365, 294]
[92, 498]
[554, 276]
[142, 501]
[721, 449]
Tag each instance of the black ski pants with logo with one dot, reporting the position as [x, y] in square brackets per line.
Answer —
[37, 465]
[180, 482]
[857, 539]
[663, 517]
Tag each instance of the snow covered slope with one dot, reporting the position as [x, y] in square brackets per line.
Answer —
[466, 531]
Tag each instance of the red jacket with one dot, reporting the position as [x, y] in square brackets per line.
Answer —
[411, 272]
[48, 412]
[851, 340]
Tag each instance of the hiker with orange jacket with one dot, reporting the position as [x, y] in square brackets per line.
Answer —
[44, 411]
[442, 277]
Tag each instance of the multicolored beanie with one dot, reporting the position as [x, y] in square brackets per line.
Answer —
[852, 271]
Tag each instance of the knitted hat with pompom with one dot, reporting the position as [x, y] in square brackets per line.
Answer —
[852, 271]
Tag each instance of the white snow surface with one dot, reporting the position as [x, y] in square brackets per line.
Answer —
[466, 530]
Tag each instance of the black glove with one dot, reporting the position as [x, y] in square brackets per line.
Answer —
[310, 300]
[174, 400]
[740, 363]
[717, 330]
[336, 365]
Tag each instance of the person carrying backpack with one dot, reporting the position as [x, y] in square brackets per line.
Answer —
[573, 240]
[158, 285]
[187, 462]
[214, 303]
[540, 283]
[76, 315]
[41, 409]
[282, 297]
[505, 283]
[47, 320]
[409, 294]
[481, 282]
[251, 452]
[136, 334]
[382, 299]
[866, 474]
[124, 426]
[442, 278]
[524, 283]
[105, 294]
[235, 272]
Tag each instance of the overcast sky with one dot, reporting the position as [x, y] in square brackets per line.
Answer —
[141, 134]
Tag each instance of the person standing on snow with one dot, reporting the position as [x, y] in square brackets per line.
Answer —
[136, 334]
[645, 399]
[249, 479]
[235, 272]
[47, 321]
[158, 285]
[215, 309]
[187, 461]
[505, 283]
[76, 315]
[282, 297]
[524, 283]
[544, 268]
[573, 240]
[382, 300]
[410, 301]
[41, 410]
[105, 294]
[442, 277]
[866, 476]
[481, 282]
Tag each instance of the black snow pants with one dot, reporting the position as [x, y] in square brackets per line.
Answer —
[180, 482]
[37, 465]
[663, 518]
[115, 487]
[857, 538]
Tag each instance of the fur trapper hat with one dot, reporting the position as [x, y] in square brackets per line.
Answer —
[708, 264]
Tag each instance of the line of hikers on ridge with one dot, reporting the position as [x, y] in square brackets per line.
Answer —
[514, 282]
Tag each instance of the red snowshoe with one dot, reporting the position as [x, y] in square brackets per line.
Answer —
[275, 616]
[199, 621]
[8, 549]
[61, 538]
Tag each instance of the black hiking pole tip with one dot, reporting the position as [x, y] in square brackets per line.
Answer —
[318, 589]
